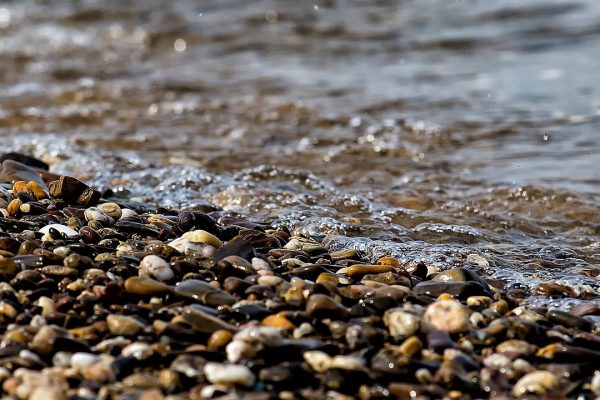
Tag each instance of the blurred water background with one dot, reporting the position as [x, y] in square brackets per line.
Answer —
[425, 129]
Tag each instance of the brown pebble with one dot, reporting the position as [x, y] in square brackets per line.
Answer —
[219, 339]
[278, 321]
[14, 207]
[322, 306]
[360, 270]
[584, 309]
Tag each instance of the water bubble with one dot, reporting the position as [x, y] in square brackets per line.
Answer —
[180, 45]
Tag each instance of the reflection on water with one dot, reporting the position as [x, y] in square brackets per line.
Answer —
[425, 129]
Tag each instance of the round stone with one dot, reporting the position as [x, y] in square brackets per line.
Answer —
[448, 315]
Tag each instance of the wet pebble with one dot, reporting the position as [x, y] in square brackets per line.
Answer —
[448, 315]
[155, 267]
[537, 382]
[229, 374]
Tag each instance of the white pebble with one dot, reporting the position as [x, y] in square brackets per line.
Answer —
[126, 213]
[238, 350]
[81, 360]
[61, 228]
[596, 384]
[538, 382]
[400, 323]
[155, 267]
[95, 214]
[317, 360]
[448, 315]
[226, 374]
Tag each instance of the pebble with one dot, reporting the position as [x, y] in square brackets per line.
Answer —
[146, 286]
[95, 214]
[111, 210]
[537, 382]
[400, 323]
[227, 374]
[181, 304]
[360, 270]
[82, 360]
[124, 325]
[595, 384]
[155, 267]
[204, 322]
[448, 315]
[204, 292]
[61, 228]
[322, 306]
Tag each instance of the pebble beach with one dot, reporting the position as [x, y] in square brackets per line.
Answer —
[328, 200]
[102, 298]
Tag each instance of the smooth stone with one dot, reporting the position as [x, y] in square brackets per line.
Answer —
[10, 244]
[242, 264]
[360, 270]
[568, 319]
[239, 350]
[317, 360]
[584, 309]
[145, 286]
[194, 220]
[99, 373]
[457, 275]
[278, 321]
[61, 228]
[24, 159]
[127, 213]
[400, 323]
[111, 209]
[155, 267]
[124, 325]
[595, 385]
[219, 339]
[537, 382]
[461, 290]
[95, 214]
[263, 335]
[139, 350]
[322, 306]
[447, 315]
[227, 374]
[516, 346]
[204, 322]
[11, 171]
[81, 360]
[204, 292]
[74, 191]
[200, 236]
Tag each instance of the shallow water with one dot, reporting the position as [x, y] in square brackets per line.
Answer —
[429, 130]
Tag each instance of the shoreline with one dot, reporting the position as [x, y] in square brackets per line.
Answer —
[101, 300]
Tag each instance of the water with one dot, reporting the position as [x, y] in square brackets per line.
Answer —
[426, 129]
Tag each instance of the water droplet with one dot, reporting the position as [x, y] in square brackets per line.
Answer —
[200, 15]
[180, 45]
[315, 7]
[546, 137]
